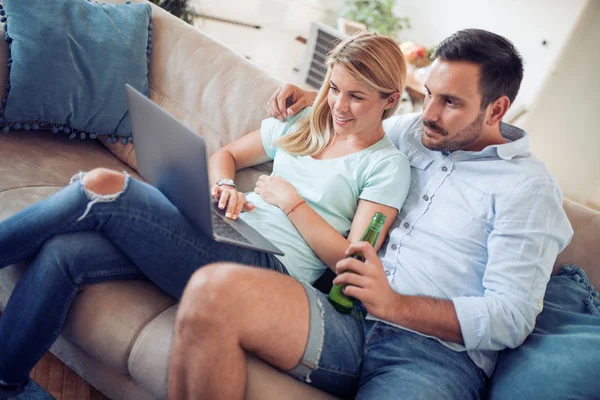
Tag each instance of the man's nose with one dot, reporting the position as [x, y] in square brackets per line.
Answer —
[431, 111]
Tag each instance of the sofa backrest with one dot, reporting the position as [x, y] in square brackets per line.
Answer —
[214, 91]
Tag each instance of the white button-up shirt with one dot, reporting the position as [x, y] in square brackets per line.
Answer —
[481, 229]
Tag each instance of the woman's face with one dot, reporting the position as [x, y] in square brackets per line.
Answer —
[355, 107]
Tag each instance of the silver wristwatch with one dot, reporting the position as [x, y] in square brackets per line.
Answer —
[227, 182]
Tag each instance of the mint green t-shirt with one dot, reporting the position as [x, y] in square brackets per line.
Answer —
[332, 188]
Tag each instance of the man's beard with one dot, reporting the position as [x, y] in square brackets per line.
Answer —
[459, 141]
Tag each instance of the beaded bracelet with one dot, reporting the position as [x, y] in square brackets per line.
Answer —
[296, 206]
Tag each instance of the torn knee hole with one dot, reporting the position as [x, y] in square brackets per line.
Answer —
[104, 182]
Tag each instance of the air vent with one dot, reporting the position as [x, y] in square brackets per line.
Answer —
[321, 41]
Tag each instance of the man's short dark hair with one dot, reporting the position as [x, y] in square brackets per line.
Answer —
[500, 63]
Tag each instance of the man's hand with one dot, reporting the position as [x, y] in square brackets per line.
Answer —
[287, 100]
[229, 197]
[277, 191]
[366, 281]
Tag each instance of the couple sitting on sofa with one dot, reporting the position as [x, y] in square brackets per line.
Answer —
[461, 276]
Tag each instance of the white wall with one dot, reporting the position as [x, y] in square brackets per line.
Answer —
[525, 22]
[563, 121]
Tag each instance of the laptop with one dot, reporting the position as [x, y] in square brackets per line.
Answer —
[173, 159]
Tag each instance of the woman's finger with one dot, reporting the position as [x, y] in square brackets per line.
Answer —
[223, 199]
[231, 205]
[240, 204]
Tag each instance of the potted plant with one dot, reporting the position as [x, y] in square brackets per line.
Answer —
[179, 8]
[377, 15]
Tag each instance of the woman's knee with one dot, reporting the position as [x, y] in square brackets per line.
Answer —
[104, 181]
[208, 296]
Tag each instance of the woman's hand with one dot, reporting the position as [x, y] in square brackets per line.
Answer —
[277, 191]
[288, 99]
[229, 197]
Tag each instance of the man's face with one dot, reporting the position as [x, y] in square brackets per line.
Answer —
[452, 115]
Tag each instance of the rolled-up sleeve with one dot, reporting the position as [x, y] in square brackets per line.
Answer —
[530, 229]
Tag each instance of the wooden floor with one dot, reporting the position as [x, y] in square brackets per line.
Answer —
[61, 382]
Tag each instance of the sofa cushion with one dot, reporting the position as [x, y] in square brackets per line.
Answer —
[559, 360]
[221, 101]
[69, 61]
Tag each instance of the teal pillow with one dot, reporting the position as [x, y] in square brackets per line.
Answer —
[561, 357]
[69, 61]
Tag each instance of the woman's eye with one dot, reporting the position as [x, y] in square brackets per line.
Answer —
[333, 89]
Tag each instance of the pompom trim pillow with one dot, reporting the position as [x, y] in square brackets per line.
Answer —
[69, 61]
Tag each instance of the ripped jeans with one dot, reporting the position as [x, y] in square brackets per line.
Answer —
[76, 237]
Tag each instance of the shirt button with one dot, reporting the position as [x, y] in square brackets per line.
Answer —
[406, 225]
[444, 169]
[394, 247]
[387, 273]
[425, 197]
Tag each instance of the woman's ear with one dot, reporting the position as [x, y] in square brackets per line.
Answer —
[391, 100]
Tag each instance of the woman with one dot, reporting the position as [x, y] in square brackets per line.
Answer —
[332, 170]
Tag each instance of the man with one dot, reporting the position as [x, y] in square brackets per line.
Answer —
[461, 276]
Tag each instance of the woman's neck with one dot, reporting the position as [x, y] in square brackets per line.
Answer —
[343, 145]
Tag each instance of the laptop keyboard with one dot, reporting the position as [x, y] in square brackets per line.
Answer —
[224, 230]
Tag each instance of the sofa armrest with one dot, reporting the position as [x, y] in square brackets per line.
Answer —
[583, 250]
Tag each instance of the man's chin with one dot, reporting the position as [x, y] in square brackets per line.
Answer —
[431, 143]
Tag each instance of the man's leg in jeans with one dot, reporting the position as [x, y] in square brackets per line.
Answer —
[402, 364]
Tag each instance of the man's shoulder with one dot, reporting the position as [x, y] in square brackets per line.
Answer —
[398, 126]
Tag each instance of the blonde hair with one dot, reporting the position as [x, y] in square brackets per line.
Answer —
[373, 60]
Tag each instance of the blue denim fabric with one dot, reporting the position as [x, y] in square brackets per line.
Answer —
[133, 235]
[367, 359]
[561, 357]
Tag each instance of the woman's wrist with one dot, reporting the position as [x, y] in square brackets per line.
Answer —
[294, 202]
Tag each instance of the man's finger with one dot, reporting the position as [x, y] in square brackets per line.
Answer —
[356, 292]
[350, 265]
[351, 278]
[281, 103]
[364, 247]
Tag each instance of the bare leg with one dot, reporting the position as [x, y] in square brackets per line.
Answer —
[227, 309]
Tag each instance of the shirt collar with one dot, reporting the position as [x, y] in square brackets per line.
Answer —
[518, 142]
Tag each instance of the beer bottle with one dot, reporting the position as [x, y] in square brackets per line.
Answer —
[337, 298]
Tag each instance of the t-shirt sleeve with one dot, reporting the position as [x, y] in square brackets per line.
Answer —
[388, 182]
[271, 129]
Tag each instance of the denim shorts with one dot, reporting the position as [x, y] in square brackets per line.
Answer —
[350, 356]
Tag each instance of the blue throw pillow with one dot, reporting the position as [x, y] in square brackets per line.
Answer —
[561, 357]
[69, 61]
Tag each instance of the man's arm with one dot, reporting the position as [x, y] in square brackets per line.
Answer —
[368, 283]
[530, 230]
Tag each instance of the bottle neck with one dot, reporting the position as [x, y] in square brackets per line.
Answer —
[371, 235]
